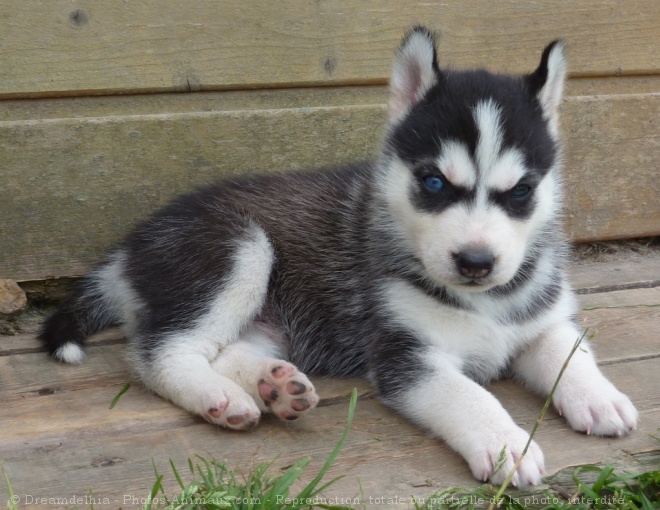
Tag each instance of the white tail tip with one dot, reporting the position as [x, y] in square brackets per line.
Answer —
[70, 353]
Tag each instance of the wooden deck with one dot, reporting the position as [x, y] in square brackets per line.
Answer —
[59, 439]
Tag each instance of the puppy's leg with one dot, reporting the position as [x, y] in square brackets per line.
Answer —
[276, 385]
[584, 396]
[183, 375]
[177, 364]
[470, 419]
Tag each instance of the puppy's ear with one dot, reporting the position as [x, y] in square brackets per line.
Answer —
[547, 82]
[414, 72]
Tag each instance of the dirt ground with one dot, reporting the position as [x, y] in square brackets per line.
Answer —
[603, 251]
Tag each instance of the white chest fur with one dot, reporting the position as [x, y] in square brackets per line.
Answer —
[478, 340]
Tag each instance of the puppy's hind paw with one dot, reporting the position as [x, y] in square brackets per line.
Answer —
[236, 411]
[285, 391]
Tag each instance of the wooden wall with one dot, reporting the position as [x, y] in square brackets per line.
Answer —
[108, 109]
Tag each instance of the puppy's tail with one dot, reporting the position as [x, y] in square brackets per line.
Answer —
[87, 310]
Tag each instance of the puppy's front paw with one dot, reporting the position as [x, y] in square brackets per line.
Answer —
[494, 454]
[595, 407]
[285, 391]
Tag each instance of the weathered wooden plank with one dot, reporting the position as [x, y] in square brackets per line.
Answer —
[408, 465]
[27, 343]
[612, 85]
[72, 187]
[623, 324]
[644, 299]
[35, 375]
[96, 177]
[600, 165]
[626, 270]
[390, 456]
[266, 99]
[224, 101]
[36, 467]
[98, 48]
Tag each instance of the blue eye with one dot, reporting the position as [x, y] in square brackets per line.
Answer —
[520, 192]
[433, 183]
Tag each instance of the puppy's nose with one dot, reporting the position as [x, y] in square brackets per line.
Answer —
[474, 263]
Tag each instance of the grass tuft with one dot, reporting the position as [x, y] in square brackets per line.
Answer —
[609, 491]
[216, 487]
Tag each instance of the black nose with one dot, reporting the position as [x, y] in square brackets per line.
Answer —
[474, 263]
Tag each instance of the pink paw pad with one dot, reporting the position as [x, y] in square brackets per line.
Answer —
[216, 412]
[241, 421]
[300, 404]
[282, 371]
[295, 388]
[233, 415]
[267, 392]
[285, 391]
[288, 416]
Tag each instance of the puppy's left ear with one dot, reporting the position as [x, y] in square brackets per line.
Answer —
[414, 72]
[547, 82]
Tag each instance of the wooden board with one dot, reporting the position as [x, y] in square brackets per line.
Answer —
[613, 321]
[74, 186]
[60, 48]
[59, 439]
[610, 167]
[265, 99]
[626, 270]
[110, 452]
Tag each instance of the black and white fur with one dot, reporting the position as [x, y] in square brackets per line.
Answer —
[431, 270]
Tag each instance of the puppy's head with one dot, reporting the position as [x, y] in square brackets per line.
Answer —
[470, 162]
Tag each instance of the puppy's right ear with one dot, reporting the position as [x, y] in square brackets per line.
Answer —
[547, 82]
[414, 72]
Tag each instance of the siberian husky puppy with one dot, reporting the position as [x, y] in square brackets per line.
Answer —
[431, 270]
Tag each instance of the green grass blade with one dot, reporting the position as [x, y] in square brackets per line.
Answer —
[207, 476]
[280, 488]
[153, 464]
[646, 503]
[328, 484]
[579, 470]
[602, 479]
[11, 504]
[309, 490]
[176, 475]
[154, 491]
[118, 396]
